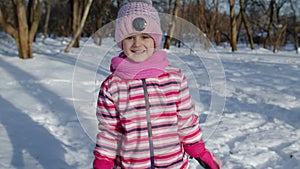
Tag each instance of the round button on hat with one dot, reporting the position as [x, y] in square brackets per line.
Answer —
[139, 24]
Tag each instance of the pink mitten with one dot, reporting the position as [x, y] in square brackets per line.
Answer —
[203, 156]
[100, 162]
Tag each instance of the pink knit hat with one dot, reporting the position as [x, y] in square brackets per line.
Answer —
[138, 16]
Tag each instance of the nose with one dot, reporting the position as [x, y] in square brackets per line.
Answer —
[137, 41]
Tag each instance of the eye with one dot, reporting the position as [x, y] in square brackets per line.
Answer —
[145, 36]
[129, 38]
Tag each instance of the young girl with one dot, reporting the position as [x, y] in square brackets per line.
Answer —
[146, 117]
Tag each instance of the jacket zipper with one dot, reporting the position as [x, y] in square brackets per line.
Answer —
[149, 126]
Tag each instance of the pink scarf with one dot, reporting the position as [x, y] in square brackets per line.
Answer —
[151, 67]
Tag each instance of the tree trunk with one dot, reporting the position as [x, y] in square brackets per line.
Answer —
[270, 27]
[104, 5]
[247, 24]
[213, 21]
[37, 9]
[217, 37]
[201, 22]
[233, 26]
[79, 30]
[48, 12]
[30, 12]
[8, 28]
[295, 29]
[296, 39]
[279, 34]
[76, 21]
[23, 37]
[172, 26]
[26, 28]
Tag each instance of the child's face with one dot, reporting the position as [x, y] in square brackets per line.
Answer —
[138, 47]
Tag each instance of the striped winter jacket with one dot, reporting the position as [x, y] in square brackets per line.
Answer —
[145, 123]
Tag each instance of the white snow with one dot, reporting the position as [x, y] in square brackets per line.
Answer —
[47, 117]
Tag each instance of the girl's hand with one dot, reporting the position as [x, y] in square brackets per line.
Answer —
[217, 163]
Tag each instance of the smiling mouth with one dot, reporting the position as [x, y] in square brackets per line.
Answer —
[138, 51]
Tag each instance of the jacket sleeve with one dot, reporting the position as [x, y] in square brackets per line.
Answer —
[188, 121]
[189, 129]
[109, 132]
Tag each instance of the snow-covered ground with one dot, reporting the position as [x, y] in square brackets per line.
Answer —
[47, 106]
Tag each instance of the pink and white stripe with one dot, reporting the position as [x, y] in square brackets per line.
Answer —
[121, 113]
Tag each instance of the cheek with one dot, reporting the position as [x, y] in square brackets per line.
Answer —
[150, 43]
[125, 45]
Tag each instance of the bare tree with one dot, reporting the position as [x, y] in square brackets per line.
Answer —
[205, 15]
[233, 39]
[80, 27]
[213, 20]
[200, 19]
[172, 25]
[104, 7]
[276, 27]
[279, 36]
[25, 25]
[246, 23]
[296, 28]
[103, 4]
[77, 7]
[48, 11]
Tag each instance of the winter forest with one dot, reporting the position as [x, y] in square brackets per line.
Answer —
[243, 71]
[272, 23]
